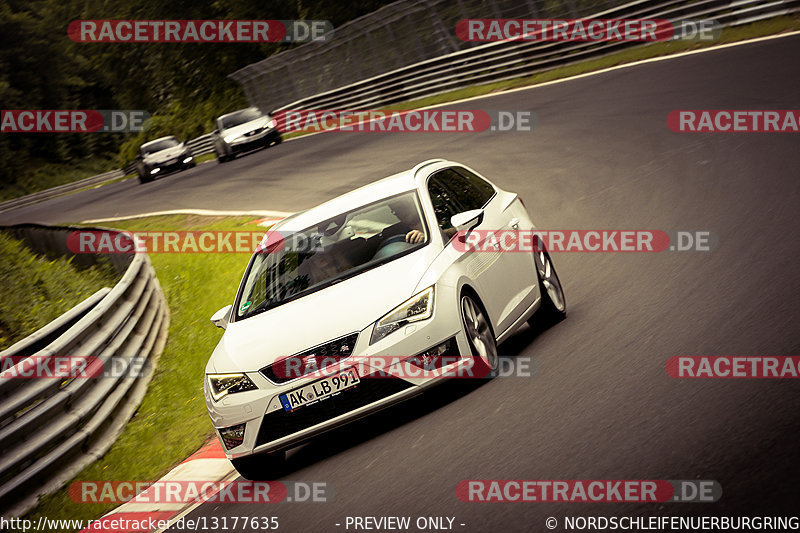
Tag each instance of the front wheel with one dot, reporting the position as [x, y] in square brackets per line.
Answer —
[554, 303]
[480, 336]
[261, 466]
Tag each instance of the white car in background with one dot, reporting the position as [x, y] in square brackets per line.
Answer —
[161, 156]
[375, 272]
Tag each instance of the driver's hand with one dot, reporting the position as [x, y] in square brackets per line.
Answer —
[415, 236]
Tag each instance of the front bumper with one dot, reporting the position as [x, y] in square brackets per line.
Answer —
[268, 427]
[170, 165]
[256, 140]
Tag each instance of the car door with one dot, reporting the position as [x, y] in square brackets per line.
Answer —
[505, 279]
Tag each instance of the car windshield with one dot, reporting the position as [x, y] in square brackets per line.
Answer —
[293, 265]
[240, 117]
[157, 146]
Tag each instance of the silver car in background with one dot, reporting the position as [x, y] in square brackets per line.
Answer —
[242, 131]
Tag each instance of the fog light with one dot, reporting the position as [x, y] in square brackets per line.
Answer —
[154, 170]
[188, 159]
[438, 356]
[232, 436]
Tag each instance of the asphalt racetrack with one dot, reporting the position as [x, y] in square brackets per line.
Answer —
[600, 404]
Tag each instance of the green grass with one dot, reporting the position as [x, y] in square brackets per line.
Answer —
[46, 176]
[205, 157]
[37, 290]
[172, 421]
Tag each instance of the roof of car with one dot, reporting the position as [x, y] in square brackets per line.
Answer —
[366, 194]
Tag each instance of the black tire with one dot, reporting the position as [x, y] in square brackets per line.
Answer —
[261, 466]
[480, 336]
[554, 302]
[221, 158]
[143, 179]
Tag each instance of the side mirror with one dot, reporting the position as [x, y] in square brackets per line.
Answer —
[467, 220]
[222, 317]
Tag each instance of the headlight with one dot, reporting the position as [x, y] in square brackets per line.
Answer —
[230, 138]
[223, 384]
[271, 123]
[418, 307]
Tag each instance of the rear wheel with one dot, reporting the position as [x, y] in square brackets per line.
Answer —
[554, 303]
[261, 466]
[480, 337]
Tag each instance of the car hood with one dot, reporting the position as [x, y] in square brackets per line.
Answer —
[241, 129]
[322, 316]
[164, 155]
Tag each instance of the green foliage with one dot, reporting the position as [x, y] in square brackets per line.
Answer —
[43, 175]
[183, 86]
[37, 290]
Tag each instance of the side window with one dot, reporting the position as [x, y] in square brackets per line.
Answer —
[444, 204]
[484, 191]
[465, 192]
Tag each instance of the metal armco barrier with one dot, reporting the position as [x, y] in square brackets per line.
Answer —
[41, 196]
[202, 145]
[475, 64]
[51, 428]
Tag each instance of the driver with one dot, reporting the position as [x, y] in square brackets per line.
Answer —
[409, 222]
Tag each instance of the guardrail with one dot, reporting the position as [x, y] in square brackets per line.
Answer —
[202, 145]
[52, 428]
[61, 189]
[498, 61]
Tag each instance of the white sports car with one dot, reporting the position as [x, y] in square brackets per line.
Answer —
[341, 298]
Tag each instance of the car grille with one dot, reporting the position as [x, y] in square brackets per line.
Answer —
[280, 423]
[314, 359]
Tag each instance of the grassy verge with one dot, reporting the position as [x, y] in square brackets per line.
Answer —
[205, 157]
[37, 290]
[51, 175]
[172, 420]
[729, 35]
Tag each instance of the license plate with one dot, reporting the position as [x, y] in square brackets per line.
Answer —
[319, 390]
